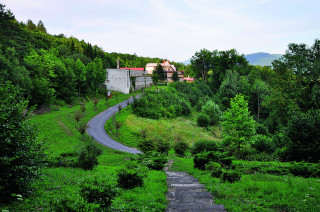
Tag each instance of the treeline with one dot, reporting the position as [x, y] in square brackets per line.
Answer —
[283, 100]
[54, 69]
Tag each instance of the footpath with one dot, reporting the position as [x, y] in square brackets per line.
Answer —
[186, 194]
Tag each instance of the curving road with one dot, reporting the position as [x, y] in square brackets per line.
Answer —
[95, 129]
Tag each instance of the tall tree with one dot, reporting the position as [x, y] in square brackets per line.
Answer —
[160, 72]
[238, 126]
[40, 27]
[175, 77]
[201, 62]
[20, 154]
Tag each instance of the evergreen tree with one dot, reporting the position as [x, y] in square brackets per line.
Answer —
[41, 27]
[175, 77]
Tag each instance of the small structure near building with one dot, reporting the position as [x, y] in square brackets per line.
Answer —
[121, 79]
[188, 79]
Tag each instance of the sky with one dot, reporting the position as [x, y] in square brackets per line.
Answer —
[176, 29]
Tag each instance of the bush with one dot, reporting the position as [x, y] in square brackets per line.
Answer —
[98, 191]
[262, 143]
[212, 165]
[129, 178]
[162, 146]
[301, 169]
[88, 155]
[203, 120]
[204, 146]
[230, 176]
[226, 161]
[71, 203]
[180, 147]
[211, 109]
[146, 145]
[201, 159]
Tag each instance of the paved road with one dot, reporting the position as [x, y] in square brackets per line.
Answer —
[96, 129]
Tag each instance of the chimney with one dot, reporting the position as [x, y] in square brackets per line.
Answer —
[118, 65]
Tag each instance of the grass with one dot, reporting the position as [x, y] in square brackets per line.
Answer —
[58, 134]
[183, 128]
[258, 192]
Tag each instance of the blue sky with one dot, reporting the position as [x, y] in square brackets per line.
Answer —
[176, 29]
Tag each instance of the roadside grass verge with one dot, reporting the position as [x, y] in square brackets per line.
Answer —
[258, 192]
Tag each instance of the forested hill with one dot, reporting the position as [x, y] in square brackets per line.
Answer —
[52, 68]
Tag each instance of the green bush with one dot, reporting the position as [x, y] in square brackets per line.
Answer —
[98, 191]
[262, 143]
[230, 176]
[180, 147]
[226, 161]
[88, 155]
[204, 146]
[71, 203]
[129, 178]
[162, 146]
[201, 159]
[212, 165]
[301, 169]
[212, 109]
[203, 120]
[146, 145]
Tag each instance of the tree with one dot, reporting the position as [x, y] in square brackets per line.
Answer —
[20, 154]
[40, 27]
[213, 111]
[304, 132]
[30, 25]
[201, 62]
[175, 77]
[237, 126]
[160, 72]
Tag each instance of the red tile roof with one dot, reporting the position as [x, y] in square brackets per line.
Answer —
[134, 69]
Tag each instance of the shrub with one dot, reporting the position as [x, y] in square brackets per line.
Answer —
[129, 178]
[201, 159]
[185, 108]
[204, 146]
[180, 147]
[211, 109]
[88, 155]
[301, 169]
[98, 191]
[203, 120]
[230, 176]
[154, 161]
[226, 161]
[71, 203]
[212, 165]
[146, 145]
[162, 146]
[262, 143]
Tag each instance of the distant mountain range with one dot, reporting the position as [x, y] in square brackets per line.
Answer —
[260, 58]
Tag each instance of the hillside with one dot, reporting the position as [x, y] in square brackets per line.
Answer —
[262, 58]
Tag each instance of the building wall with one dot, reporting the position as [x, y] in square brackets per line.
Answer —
[150, 69]
[119, 80]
